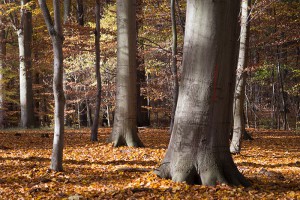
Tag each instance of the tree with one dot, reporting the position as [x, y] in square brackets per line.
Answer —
[67, 10]
[24, 32]
[2, 66]
[239, 94]
[198, 151]
[94, 131]
[125, 122]
[55, 31]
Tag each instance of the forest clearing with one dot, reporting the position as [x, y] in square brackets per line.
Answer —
[96, 170]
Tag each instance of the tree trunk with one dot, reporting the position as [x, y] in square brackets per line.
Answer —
[67, 10]
[2, 67]
[125, 122]
[239, 95]
[24, 40]
[174, 64]
[56, 34]
[198, 151]
[94, 130]
[80, 12]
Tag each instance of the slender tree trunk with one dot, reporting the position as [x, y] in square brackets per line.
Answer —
[94, 130]
[239, 95]
[174, 64]
[80, 12]
[125, 119]
[2, 67]
[67, 10]
[56, 34]
[25, 41]
[198, 151]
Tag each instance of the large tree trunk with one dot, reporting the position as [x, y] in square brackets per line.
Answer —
[174, 64]
[125, 122]
[2, 67]
[94, 131]
[198, 151]
[56, 34]
[239, 94]
[26, 95]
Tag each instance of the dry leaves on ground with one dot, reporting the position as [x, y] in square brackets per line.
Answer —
[99, 171]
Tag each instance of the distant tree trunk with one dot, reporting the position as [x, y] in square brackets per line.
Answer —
[94, 130]
[67, 10]
[174, 64]
[125, 122]
[80, 12]
[239, 94]
[24, 33]
[198, 151]
[2, 67]
[56, 34]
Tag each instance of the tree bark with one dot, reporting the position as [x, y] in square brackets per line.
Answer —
[198, 151]
[67, 10]
[56, 34]
[2, 67]
[174, 64]
[94, 130]
[24, 33]
[239, 94]
[125, 122]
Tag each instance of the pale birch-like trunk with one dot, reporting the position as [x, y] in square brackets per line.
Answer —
[239, 94]
[56, 34]
[94, 130]
[125, 119]
[198, 151]
[2, 67]
[24, 33]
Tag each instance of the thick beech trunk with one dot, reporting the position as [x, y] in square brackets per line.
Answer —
[198, 151]
[239, 94]
[2, 67]
[94, 130]
[125, 122]
[56, 34]
[24, 40]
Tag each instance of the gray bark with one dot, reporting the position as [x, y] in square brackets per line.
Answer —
[174, 64]
[56, 34]
[94, 130]
[198, 151]
[239, 94]
[67, 10]
[2, 67]
[125, 122]
[24, 33]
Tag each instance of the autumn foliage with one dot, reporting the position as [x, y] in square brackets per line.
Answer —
[98, 171]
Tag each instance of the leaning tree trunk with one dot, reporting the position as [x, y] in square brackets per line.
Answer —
[198, 151]
[174, 64]
[125, 123]
[94, 130]
[25, 40]
[2, 67]
[56, 34]
[239, 94]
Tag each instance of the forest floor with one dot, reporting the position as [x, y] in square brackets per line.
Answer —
[98, 171]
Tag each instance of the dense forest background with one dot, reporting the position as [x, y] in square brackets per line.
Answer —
[273, 73]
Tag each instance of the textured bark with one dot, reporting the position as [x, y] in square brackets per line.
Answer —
[125, 122]
[198, 151]
[174, 64]
[94, 130]
[2, 67]
[239, 95]
[56, 34]
[25, 42]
